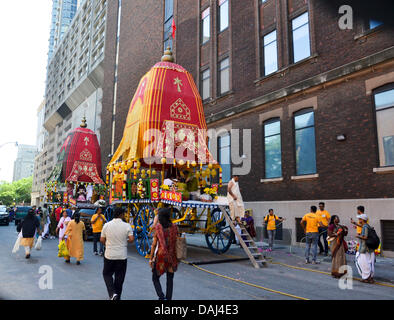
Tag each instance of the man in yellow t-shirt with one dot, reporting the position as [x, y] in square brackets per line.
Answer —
[325, 217]
[311, 223]
[270, 220]
[98, 221]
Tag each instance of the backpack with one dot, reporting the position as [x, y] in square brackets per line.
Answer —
[373, 240]
[266, 218]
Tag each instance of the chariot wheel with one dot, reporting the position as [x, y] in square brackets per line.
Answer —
[142, 226]
[219, 235]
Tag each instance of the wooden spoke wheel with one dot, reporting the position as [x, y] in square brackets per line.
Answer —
[219, 235]
[142, 226]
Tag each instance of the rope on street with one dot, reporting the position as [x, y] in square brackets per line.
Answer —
[246, 283]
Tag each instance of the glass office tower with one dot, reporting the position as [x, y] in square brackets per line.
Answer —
[63, 12]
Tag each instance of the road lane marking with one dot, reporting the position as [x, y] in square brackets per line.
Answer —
[246, 283]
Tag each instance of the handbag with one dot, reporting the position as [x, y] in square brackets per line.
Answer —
[38, 243]
[181, 248]
[63, 251]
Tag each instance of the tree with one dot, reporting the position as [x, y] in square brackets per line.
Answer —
[18, 191]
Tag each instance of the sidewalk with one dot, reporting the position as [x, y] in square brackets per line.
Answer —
[384, 270]
[294, 256]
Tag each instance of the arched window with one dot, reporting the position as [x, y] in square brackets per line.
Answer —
[384, 107]
[305, 144]
[272, 148]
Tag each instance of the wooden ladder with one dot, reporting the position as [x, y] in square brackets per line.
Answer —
[255, 256]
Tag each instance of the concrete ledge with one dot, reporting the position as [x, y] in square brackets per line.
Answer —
[270, 180]
[384, 170]
[387, 254]
[305, 177]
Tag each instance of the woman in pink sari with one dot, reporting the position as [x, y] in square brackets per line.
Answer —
[62, 225]
[163, 253]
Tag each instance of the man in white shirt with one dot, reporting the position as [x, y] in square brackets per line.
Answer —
[115, 236]
[234, 197]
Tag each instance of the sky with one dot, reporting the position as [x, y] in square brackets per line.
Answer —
[24, 30]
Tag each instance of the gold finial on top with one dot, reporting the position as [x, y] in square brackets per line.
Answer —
[83, 124]
[168, 57]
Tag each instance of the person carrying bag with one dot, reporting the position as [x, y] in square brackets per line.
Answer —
[164, 258]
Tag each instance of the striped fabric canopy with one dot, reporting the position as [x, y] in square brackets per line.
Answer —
[79, 159]
[165, 120]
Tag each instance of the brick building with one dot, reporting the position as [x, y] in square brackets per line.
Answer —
[318, 99]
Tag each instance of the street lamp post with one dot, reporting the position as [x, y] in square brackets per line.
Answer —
[2, 145]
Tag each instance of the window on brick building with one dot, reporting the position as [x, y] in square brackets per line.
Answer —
[168, 18]
[205, 84]
[384, 106]
[272, 149]
[224, 156]
[270, 53]
[223, 15]
[224, 76]
[305, 144]
[300, 36]
[205, 26]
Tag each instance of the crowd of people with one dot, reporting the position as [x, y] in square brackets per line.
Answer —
[110, 239]
[319, 223]
[321, 230]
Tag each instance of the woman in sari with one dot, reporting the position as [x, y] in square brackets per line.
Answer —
[338, 246]
[163, 253]
[29, 226]
[74, 233]
[249, 223]
[53, 224]
[62, 225]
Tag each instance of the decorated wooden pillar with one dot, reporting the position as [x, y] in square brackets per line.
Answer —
[124, 186]
[163, 162]
[135, 170]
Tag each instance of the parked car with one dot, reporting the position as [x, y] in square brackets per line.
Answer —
[21, 213]
[4, 216]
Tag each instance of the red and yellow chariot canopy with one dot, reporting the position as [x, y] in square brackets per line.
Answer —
[81, 157]
[165, 120]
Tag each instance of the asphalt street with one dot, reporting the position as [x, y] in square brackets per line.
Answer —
[20, 278]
